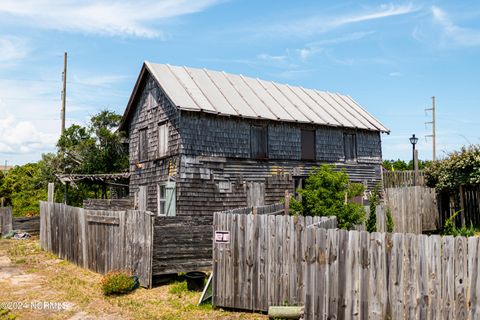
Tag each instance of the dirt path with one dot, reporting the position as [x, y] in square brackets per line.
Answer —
[25, 292]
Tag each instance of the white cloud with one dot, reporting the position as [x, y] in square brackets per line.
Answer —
[460, 36]
[320, 46]
[106, 17]
[271, 58]
[12, 49]
[23, 137]
[321, 24]
[395, 74]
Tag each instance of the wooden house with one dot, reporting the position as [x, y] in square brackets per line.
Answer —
[204, 141]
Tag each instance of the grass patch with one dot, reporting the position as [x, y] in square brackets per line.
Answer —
[178, 288]
[66, 282]
[6, 315]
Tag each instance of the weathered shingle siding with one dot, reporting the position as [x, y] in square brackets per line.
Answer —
[204, 134]
[152, 107]
[369, 147]
[329, 144]
[283, 141]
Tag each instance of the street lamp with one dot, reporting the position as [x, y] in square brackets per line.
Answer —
[413, 141]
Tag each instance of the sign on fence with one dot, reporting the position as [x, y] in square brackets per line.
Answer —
[222, 236]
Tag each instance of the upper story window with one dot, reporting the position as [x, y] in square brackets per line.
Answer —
[142, 145]
[308, 144]
[350, 146]
[162, 139]
[259, 142]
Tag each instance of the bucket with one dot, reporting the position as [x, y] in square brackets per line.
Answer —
[195, 280]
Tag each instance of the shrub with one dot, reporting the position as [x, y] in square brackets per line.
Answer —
[118, 282]
[450, 228]
[372, 217]
[458, 168]
[324, 195]
[390, 223]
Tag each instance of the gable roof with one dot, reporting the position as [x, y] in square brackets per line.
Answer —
[228, 94]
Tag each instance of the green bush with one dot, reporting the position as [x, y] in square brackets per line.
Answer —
[390, 223]
[324, 195]
[372, 217]
[118, 282]
[460, 168]
[450, 228]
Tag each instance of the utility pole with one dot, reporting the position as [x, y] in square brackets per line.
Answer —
[64, 93]
[433, 135]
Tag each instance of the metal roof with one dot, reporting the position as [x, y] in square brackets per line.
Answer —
[236, 95]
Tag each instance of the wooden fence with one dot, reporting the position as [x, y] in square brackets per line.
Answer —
[99, 240]
[182, 244]
[406, 178]
[25, 224]
[263, 262]
[109, 204]
[466, 200]
[414, 209]
[338, 274]
[391, 276]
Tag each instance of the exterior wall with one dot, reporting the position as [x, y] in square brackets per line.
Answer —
[152, 107]
[210, 184]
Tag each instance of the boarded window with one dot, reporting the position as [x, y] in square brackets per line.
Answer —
[308, 145]
[162, 139]
[166, 199]
[258, 143]
[142, 145]
[350, 145]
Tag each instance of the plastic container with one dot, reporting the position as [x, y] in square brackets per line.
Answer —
[195, 280]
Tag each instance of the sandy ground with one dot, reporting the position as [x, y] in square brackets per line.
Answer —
[37, 285]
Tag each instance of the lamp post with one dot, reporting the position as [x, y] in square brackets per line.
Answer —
[413, 141]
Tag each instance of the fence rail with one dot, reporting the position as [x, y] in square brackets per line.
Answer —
[406, 178]
[99, 240]
[339, 274]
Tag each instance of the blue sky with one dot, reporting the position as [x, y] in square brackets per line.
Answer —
[389, 56]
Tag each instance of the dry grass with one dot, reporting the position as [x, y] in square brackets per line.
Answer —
[34, 275]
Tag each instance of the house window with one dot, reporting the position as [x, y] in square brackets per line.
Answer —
[350, 146]
[166, 199]
[258, 142]
[142, 145]
[308, 144]
[162, 139]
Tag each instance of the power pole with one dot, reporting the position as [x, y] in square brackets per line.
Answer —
[433, 135]
[64, 93]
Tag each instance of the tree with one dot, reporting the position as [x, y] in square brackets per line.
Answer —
[97, 148]
[324, 195]
[459, 168]
[401, 165]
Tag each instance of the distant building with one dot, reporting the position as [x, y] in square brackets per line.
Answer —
[204, 141]
[6, 168]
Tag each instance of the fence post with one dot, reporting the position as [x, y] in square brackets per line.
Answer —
[287, 203]
[51, 192]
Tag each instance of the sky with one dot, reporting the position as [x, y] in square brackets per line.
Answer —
[391, 57]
